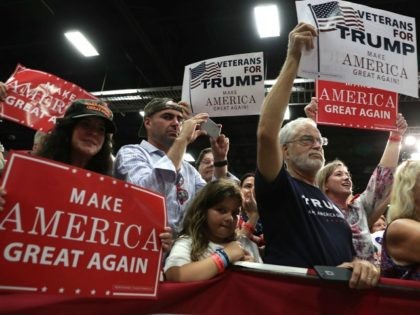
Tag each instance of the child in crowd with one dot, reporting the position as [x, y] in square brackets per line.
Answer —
[207, 244]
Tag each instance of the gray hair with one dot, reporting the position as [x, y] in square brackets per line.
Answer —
[288, 131]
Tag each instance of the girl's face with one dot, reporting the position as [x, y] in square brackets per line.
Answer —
[339, 182]
[88, 136]
[222, 219]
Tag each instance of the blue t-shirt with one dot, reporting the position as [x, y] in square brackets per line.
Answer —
[302, 227]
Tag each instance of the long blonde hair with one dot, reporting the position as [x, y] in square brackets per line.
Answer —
[402, 195]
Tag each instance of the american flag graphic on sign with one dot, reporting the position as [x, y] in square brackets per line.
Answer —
[331, 14]
[204, 71]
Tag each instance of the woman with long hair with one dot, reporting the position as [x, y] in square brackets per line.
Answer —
[83, 137]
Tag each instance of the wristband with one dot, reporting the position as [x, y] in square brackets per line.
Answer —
[248, 226]
[394, 138]
[221, 252]
[218, 261]
[220, 163]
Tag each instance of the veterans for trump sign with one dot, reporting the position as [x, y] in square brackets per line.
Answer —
[353, 106]
[225, 86]
[36, 99]
[65, 230]
[360, 45]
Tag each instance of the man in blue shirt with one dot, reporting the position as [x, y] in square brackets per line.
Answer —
[158, 163]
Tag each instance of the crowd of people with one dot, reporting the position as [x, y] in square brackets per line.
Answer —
[292, 209]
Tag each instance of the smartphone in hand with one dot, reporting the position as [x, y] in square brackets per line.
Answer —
[212, 129]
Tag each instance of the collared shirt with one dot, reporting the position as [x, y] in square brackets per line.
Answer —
[146, 166]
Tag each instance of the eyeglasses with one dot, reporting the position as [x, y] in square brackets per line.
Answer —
[310, 141]
[181, 193]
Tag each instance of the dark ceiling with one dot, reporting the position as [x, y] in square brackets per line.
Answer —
[146, 44]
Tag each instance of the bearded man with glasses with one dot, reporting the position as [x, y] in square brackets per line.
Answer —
[302, 227]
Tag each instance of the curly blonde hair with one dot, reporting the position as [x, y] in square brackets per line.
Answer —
[402, 195]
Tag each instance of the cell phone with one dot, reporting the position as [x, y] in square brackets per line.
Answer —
[212, 129]
[333, 273]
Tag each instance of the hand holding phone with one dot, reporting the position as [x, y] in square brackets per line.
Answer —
[212, 129]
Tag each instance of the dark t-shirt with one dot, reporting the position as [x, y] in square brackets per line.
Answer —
[302, 227]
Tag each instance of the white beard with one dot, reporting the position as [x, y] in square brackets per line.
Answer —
[308, 164]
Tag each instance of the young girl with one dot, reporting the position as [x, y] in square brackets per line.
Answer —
[207, 244]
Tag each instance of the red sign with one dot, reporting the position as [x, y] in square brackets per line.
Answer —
[353, 106]
[66, 230]
[36, 99]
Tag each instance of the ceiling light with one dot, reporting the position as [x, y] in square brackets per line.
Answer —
[116, 92]
[267, 20]
[81, 43]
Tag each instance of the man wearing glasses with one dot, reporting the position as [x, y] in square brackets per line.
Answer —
[158, 162]
[302, 227]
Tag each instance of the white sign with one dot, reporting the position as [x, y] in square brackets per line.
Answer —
[360, 45]
[225, 86]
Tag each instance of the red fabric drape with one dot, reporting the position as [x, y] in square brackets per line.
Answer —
[236, 292]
